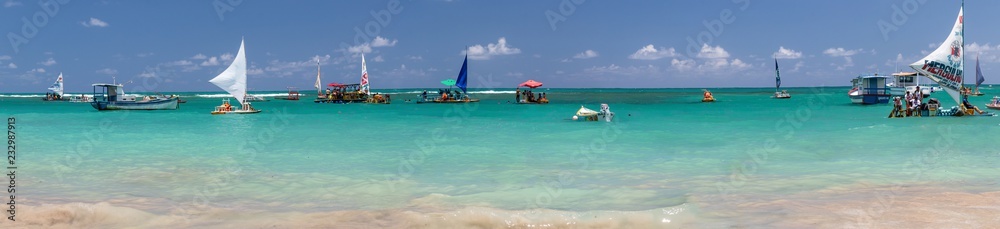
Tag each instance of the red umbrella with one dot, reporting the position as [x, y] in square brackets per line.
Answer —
[335, 85]
[531, 84]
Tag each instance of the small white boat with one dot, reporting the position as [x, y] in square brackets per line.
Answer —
[112, 97]
[234, 81]
[995, 104]
[591, 115]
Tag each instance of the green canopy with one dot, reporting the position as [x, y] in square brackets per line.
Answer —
[448, 82]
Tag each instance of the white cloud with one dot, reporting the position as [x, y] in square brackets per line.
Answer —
[586, 54]
[784, 53]
[144, 54]
[480, 52]
[367, 46]
[107, 71]
[846, 53]
[383, 42]
[227, 57]
[416, 57]
[37, 70]
[619, 70]
[11, 3]
[515, 74]
[649, 52]
[709, 52]
[212, 61]
[94, 22]
[362, 48]
[5, 58]
[199, 56]
[839, 52]
[682, 65]
[179, 63]
[378, 59]
[48, 62]
[986, 52]
[12, 66]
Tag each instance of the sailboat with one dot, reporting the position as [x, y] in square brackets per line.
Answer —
[57, 90]
[319, 84]
[234, 81]
[979, 78]
[946, 66]
[461, 82]
[777, 84]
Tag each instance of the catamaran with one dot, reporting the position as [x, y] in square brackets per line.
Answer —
[777, 84]
[946, 66]
[234, 81]
[461, 82]
[57, 90]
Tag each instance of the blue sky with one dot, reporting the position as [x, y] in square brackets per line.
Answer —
[416, 43]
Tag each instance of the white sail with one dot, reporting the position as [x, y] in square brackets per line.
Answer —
[57, 87]
[946, 65]
[364, 75]
[319, 84]
[234, 79]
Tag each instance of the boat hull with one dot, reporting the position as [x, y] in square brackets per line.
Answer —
[235, 112]
[156, 104]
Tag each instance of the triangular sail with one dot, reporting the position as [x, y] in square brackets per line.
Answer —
[319, 84]
[777, 76]
[234, 79]
[463, 76]
[57, 87]
[364, 75]
[946, 64]
[979, 75]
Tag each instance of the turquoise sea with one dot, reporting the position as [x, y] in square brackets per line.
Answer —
[666, 161]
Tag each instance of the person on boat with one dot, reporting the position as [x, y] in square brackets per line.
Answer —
[965, 102]
[707, 95]
[517, 95]
[909, 102]
[917, 105]
[226, 106]
[424, 95]
[897, 108]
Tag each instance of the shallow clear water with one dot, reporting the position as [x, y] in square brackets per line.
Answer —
[667, 160]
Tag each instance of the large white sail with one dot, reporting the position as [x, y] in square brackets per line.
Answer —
[57, 87]
[234, 79]
[946, 64]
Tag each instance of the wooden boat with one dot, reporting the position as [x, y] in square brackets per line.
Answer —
[234, 81]
[461, 82]
[57, 91]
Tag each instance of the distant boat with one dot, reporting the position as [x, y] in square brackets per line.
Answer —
[292, 94]
[57, 90]
[461, 82]
[707, 96]
[979, 78]
[777, 84]
[234, 81]
[591, 115]
[112, 97]
[352, 93]
[869, 90]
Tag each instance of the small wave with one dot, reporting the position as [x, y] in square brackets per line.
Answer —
[492, 92]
